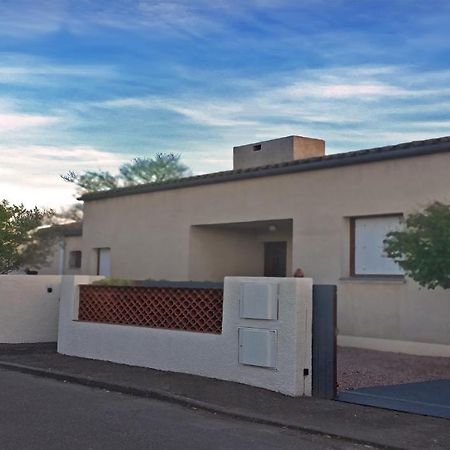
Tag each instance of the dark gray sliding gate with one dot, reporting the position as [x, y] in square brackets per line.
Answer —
[324, 332]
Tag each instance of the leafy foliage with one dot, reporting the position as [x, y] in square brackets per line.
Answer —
[163, 167]
[72, 213]
[158, 169]
[114, 282]
[92, 181]
[422, 248]
[21, 241]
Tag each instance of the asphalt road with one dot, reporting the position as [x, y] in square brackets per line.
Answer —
[39, 413]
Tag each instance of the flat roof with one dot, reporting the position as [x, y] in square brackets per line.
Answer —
[404, 150]
[70, 229]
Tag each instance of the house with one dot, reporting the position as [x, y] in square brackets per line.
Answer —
[66, 256]
[286, 204]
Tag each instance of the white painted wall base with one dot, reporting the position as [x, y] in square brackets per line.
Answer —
[391, 345]
[209, 355]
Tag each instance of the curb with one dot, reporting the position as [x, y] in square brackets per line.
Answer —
[181, 400]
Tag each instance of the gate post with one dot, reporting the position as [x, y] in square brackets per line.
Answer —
[324, 381]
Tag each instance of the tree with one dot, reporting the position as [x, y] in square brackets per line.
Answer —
[21, 240]
[163, 167]
[158, 169]
[71, 213]
[422, 248]
[91, 181]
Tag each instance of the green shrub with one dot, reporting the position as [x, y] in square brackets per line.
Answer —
[114, 282]
[422, 248]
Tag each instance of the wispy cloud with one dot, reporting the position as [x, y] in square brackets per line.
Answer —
[20, 68]
[31, 174]
[14, 122]
[18, 122]
[209, 113]
[27, 18]
[351, 107]
[131, 77]
[319, 96]
[355, 90]
[24, 18]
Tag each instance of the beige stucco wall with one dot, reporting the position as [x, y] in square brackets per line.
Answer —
[71, 243]
[396, 310]
[150, 235]
[239, 253]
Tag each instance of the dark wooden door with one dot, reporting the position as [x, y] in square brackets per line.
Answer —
[275, 255]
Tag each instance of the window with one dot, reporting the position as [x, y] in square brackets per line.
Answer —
[75, 259]
[367, 255]
[257, 147]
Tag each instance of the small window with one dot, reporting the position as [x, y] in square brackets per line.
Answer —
[75, 259]
[257, 147]
[367, 248]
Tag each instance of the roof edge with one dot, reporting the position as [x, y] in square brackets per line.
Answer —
[405, 150]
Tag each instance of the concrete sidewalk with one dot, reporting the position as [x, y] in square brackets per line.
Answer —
[377, 427]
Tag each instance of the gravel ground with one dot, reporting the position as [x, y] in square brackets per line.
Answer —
[362, 368]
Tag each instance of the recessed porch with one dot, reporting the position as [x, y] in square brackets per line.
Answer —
[254, 248]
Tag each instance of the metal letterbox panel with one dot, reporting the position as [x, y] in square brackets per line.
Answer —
[258, 347]
[259, 301]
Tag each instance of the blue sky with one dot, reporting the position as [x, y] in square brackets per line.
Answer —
[88, 84]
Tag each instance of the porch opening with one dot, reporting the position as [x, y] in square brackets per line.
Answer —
[254, 248]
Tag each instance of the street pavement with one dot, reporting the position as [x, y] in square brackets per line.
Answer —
[41, 413]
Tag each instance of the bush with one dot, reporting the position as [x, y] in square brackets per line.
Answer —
[114, 282]
[422, 248]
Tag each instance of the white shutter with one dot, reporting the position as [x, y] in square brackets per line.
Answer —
[370, 258]
[104, 262]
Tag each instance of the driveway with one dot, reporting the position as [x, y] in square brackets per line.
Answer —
[418, 384]
[39, 413]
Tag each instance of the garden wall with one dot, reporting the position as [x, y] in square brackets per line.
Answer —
[29, 308]
[264, 341]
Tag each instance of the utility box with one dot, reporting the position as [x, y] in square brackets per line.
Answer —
[258, 347]
[259, 301]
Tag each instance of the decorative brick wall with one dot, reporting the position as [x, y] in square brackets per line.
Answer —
[174, 308]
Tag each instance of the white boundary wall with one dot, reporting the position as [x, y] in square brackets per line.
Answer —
[28, 313]
[209, 355]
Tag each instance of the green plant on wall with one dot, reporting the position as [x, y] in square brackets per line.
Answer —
[422, 247]
[114, 282]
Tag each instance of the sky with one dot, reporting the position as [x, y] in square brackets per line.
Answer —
[89, 84]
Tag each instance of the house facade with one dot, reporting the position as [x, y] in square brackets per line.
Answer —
[287, 205]
[66, 255]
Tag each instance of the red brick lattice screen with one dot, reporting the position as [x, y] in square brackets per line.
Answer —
[174, 308]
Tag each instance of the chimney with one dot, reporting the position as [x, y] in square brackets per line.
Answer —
[277, 151]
